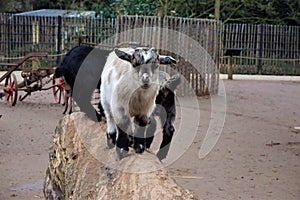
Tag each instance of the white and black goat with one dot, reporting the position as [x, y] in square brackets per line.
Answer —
[130, 84]
[82, 74]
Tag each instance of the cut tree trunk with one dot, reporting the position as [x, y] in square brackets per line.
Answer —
[82, 167]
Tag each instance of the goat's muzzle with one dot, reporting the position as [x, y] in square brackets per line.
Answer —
[145, 81]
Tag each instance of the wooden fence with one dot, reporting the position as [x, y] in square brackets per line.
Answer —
[199, 44]
[266, 49]
[194, 42]
[20, 35]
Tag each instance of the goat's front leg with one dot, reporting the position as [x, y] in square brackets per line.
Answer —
[123, 139]
[71, 105]
[67, 97]
[66, 103]
[166, 142]
[168, 132]
[139, 133]
[150, 132]
[111, 132]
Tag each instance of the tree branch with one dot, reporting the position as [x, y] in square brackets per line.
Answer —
[233, 12]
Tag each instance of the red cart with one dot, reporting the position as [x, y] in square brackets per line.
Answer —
[34, 79]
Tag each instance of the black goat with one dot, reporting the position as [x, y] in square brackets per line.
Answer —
[166, 111]
[83, 76]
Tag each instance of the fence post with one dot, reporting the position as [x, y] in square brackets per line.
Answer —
[261, 35]
[229, 68]
[10, 22]
[59, 39]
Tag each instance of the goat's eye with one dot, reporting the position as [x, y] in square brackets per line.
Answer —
[153, 50]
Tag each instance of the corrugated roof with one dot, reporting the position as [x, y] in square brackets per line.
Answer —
[58, 12]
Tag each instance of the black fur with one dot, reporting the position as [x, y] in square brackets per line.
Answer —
[165, 98]
[72, 64]
[166, 112]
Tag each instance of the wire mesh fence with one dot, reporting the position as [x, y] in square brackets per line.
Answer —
[265, 49]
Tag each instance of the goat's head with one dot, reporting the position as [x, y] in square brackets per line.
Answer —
[169, 85]
[146, 62]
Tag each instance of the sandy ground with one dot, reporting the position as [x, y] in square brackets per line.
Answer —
[257, 155]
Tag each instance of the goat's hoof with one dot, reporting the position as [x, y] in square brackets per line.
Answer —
[2, 95]
[171, 129]
[122, 152]
[130, 142]
[111, 140]
[139, 148]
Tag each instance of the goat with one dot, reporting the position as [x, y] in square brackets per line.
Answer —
[73, 64]
[166, 113]
[130, 84]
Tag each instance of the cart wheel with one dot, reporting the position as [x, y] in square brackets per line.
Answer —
[58, 89]
[11, 90]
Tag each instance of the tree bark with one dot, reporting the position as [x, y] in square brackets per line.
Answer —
[82, 167]
[217, 9]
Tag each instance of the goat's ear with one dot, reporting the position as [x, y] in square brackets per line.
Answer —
[123, 55]
[166, 60]
[173, 82]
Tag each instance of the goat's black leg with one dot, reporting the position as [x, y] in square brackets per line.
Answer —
[111, 139]
[150, 132]
[66, 105]
[101, 110]
[168, 133]
[2, 94]
[71, 104]
[123, 139]
[139, 139]
[131, 140]
[111, 132]
[139, 133]
[122, 143]
[67, 101]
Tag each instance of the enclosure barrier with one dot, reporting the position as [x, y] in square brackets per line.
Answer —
[194, 42]
[265, 49]
[20, 35]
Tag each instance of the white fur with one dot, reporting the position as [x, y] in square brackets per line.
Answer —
[120, 85]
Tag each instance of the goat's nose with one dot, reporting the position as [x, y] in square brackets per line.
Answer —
[145, 78]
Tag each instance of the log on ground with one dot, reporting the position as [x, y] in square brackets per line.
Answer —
[82, 167]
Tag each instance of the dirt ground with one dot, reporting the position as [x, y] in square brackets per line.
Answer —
[257, 155]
